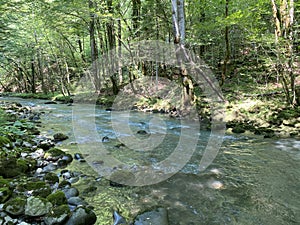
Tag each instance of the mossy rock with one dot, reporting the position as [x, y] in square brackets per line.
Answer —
[4, 182]
[15, 206]
[58, 198]
[58, 215]
[36, 188]
[22, 165]
[54, 154]
[51, 178]
[264, 131]
[5, 194]
[60, 137]
[9, 167]
[238, 129]
[64, 184]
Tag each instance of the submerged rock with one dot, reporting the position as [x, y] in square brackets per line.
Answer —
[82, 216]
[60, 137]
[118, 219]
[155, 217]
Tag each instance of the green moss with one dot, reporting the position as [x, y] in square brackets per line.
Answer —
[4, 182]
[54, 152]
[22, 165]
[60, 210]
[37, 188]
[58, 198]
[15, 206]
[51, 178]
[5, 194]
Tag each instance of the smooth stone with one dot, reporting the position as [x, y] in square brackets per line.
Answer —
[49, 168]
[105, 139]
[73, 180]
[68, 158]
[71, 192]
[155, 217]
[82, 216]
[143, 132]
[37, 206]
[77, 201]
[79, 157]
[24, 223]
[118, 219]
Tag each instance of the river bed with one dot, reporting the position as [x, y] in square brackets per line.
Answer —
[251, 181]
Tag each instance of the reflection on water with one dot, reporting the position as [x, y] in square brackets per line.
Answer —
[252, 180]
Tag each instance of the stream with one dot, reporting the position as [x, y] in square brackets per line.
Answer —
[251, 181]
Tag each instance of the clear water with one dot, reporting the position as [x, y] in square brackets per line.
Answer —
[251, 181]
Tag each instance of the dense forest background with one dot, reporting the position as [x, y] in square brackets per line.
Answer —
[46, 45]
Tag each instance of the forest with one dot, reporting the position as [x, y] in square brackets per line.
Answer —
[236, 62]
[252, 47]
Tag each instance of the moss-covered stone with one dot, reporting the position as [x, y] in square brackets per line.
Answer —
[54, 154]
[4, 182]
[15, 206]
[9, 167]
[22, 164]
[238, 129]
[60, 137]
[51, 178]
[58, 215]
[58, 198]
[36, 188]
[5, 194]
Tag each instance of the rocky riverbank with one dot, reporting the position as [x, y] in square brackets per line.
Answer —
[40, 182]
[34, 187]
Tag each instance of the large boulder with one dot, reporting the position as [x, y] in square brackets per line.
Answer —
[37, 206]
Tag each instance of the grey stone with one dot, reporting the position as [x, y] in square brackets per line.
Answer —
[82, 216]
[71, 192]
[76, 201]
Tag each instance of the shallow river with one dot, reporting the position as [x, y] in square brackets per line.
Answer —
[251, 181]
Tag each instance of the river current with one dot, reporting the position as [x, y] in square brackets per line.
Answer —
[251, 181]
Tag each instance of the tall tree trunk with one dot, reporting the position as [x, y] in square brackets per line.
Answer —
[283, 22]
[136, 8]
[93, 45]
[112, 50]
[227, 46]
[176, 31]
